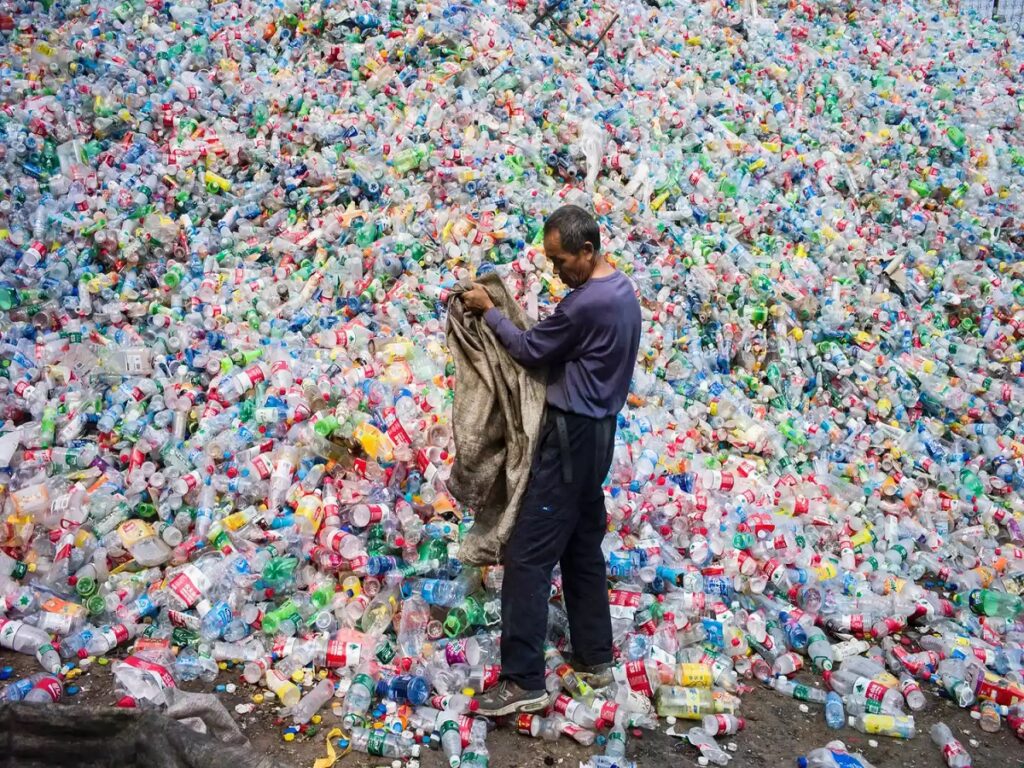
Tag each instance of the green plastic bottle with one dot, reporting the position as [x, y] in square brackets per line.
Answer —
[989, 602]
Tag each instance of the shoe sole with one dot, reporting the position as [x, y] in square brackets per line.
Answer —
[528, 705]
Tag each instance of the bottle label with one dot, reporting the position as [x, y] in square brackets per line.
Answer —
[262, 466]
[8, 629]
[566, 705]
[845, 760]
[131, 532]
[395, 430]
[880, 724]
[715, 632]
[950, 750]
[447, 727]
[608, 710]
[376, 741]
[570, 729]
[524, 724]
[254, 376]
[116, 634]
[695, 676]
[721, 724]
[465, 728]
[183, 620]
[874, 691]
[686, 703]
[44, 649]
[311, 510]
[189, 584]
[191, 481]
[386, 651]
[491, 673]
[158, 674]
[636, 675]
[279, 684]
[455, 652]
[52, 687]
[623, 604]
[337, 654]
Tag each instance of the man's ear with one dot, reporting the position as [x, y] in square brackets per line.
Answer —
[588, 252]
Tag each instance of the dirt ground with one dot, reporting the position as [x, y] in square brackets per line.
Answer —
[777, 733]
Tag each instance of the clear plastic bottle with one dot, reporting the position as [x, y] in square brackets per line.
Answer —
[912, 693]
[24, 638]
[476, 754]
[799, 691]
[894, 726]
[953, 751]
[451, 741]
[723, 725]
[708, 747]
[313, 701]
[47, 690]
[359, 696]
[19, 689]
[835, 715]
[378, 742]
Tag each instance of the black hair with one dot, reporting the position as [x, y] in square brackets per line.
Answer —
[576, 227]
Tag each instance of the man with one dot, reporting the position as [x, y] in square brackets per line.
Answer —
[589, 345]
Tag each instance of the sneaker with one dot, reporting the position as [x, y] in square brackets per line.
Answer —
[508, 697]
[594, 675]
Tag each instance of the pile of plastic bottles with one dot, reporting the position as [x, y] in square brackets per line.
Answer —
[227, 233]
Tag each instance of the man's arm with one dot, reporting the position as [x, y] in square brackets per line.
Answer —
[549, 341]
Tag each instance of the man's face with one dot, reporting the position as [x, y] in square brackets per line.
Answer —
[574, 269]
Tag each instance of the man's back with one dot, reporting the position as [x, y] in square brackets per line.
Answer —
[594, 378]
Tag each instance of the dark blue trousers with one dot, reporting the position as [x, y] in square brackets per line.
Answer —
[562, 520]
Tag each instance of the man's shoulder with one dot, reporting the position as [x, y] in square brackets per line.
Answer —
[616, 292]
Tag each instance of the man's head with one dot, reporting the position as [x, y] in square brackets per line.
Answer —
[572, 241]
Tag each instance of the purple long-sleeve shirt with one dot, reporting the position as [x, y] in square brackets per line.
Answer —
[589, 344]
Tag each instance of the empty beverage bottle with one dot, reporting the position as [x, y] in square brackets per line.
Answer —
[953, 751]
[833, 755]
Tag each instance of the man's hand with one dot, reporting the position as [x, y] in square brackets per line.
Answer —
[477, 299]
